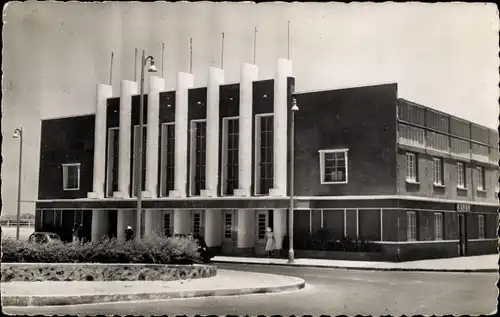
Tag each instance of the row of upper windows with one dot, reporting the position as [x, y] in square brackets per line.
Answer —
[333, 163]
[411, 167]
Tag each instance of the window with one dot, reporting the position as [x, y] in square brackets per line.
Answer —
[480, 153]
[461, 175]
[71, 176]
[264, 153]
[410, 113]
[262, 226]
[480, 221]
[411, 167]
[167, 223]
[438, 226]
[136, 160]
[481, 178]
[112, 161]
[437, 142]
[197, 223]
[167, 169]
[460, 148]
[228, 224]
[412, 226]
[198, 156]
[411, 136]
[230, 155]
[438, 171]
[333, 166]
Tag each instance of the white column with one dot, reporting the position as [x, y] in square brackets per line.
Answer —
[127, 89]
[156, 85]
[246, 228]
[215, 79]
[100, 223]
[125, 218]
[249, 73]
[213, 227]
[283, 71]
[184, 83]
[279, 226]
[182, 221]
[103, 93]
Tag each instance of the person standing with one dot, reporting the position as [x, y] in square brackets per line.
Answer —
[270, 242]
[75, 233]
[129, 233]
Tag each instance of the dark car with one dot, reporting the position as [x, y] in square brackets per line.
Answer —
[44, 237]
[205, 253]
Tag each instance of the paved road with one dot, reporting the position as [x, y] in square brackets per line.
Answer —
[333, 292]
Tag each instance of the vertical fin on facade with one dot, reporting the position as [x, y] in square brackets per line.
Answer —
[249, 74]
[156, 85]
[283, 71]
[185, 81]
[104, 92]
[127, 89]
[215, 79]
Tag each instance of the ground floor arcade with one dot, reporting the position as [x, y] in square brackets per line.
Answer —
[430, 228]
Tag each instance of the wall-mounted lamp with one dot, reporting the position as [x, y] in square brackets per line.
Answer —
[264, 97]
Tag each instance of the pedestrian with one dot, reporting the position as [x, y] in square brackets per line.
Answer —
[75, 233]
[270, 242]
[129, 233]
[81, 233]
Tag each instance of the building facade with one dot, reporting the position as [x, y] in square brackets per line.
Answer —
[368, 165]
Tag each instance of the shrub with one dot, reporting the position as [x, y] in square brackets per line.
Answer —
[323, 240]
[151, 249]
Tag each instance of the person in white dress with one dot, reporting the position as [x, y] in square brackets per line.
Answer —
[270, 242]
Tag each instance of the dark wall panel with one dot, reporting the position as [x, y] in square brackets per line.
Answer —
[351, 221]
[369, 224]
[362, 120]
[333, 221]
[63, 141]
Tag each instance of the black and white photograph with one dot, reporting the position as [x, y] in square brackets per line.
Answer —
[247, 159]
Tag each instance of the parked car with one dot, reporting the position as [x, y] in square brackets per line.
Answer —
[44, 237]
[205, 253]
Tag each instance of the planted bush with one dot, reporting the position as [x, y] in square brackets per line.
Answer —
[151, 249]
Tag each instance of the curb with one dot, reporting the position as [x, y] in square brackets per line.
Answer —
[366, 268]
[106, 298]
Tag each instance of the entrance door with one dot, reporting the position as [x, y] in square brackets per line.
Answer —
[197, 225]
[262, 221]
[168, 223]
[229, 227]
[461, 235]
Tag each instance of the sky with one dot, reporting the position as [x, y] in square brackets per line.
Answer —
[444, 56]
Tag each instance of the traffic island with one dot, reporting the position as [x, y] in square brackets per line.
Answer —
[80, 292]
[40, 272]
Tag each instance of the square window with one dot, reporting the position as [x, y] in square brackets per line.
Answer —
[333, 166]
[71, 176]
[411, 167]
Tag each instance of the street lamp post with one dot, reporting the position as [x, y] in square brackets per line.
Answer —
[294, 109]
[138, 170]
[18, 134]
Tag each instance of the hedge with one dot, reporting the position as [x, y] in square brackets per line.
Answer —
[325, 240]
[151, 249]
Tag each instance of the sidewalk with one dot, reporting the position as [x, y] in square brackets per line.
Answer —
[480, 263]
[73, 293]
